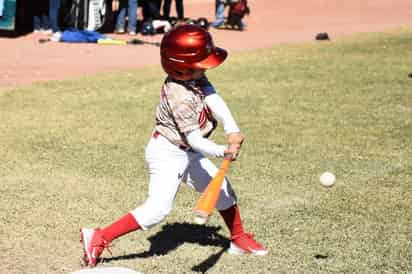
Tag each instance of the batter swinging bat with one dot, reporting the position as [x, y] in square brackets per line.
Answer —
[207, 201]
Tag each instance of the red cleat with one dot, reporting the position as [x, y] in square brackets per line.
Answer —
[93, 245]
[245, 243]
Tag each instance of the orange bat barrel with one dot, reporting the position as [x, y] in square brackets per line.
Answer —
[207, 201]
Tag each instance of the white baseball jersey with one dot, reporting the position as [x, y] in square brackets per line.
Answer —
[182, 109]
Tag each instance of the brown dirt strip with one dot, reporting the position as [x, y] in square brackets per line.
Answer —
[24, 60]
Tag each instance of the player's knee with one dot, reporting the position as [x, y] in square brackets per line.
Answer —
[225, 203]
[160, 214]
[148, 216]
[227, 198]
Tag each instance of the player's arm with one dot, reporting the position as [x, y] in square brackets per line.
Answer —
[198, 143]
[186, 119]
[222, 113]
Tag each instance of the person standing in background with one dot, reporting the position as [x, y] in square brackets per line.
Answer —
[41, 17]
[129, 7]
[54, 6]
[219, 14]
[179, 9]
[151, 10]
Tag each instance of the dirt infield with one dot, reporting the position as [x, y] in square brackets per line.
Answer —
[24, 60]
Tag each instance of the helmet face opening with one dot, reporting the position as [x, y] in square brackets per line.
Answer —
[189, 47]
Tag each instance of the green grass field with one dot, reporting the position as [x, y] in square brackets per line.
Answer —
[72, 155]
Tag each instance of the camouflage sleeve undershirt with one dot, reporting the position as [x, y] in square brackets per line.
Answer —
[182, 109]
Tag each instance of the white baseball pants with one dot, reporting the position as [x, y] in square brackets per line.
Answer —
[168, 166]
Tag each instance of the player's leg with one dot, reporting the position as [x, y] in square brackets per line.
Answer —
[166, 163]
[200, 171]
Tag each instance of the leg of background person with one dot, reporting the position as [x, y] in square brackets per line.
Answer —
[45, 16]
[158, 5]
[36, 23]
[220, 14]
[54, 6]
[132, 16]
[37, 11]
[166, 8]
[144, 10]
[45, 23]
[120, 19]
[1, 7]
[152, 11]
[179, 9]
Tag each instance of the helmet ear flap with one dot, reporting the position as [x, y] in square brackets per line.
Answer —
[176, 71]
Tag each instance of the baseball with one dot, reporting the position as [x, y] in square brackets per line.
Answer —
[327, 179]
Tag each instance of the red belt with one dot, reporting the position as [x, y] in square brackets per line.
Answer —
[182, 147]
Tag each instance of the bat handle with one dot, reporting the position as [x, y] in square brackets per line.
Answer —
[226, 162]
[228, 156]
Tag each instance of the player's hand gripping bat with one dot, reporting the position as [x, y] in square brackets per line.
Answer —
[207, 201]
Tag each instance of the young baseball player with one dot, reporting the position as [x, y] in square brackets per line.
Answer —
[188, 112]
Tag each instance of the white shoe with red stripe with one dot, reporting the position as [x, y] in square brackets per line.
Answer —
[245, 243]
[93, 246]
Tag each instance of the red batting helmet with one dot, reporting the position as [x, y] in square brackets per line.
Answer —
[188, 47]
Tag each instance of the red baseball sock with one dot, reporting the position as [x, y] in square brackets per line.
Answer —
[233, 220]
[120, 227]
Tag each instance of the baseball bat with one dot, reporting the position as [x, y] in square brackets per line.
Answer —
[134, 41]
[111, 42]
[137, 41]
[207, 201]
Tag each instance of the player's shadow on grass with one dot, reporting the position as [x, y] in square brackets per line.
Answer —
[173, 235]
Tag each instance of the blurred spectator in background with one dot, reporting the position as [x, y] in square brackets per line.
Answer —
[129, 7]
[151, 10]
[41, 17]
[219, 14]
[153, 22]
[179, 9]
[54, 6]
[237, 11]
